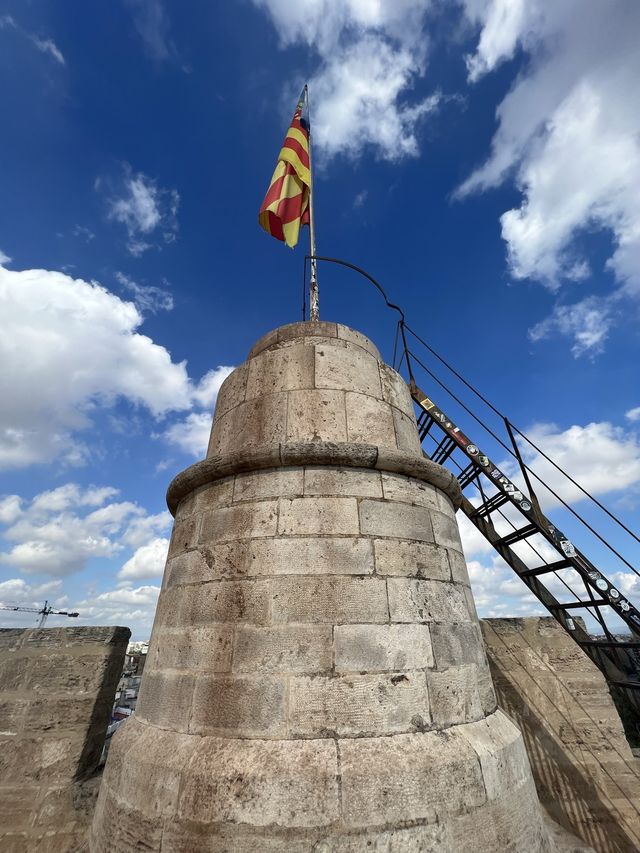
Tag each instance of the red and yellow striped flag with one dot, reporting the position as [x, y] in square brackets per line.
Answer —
[286, 205]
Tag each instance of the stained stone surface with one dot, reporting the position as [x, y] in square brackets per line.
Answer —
[316, 677]
[56, 692]
[586, 775]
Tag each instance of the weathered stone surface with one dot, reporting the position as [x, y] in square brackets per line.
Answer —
[580, 758]
[283, 649]
[426, 601]
[383, 518]
[268, 484]
[232, 391]
[316, 416]
[380, 648]
[409, 777]
[250, 424]
[411, 559]
[165, 699]
[354, 337]
[406, 434]
[298, 516]
[358, 704]
[395, 390]
[261, 782]
[333, 600]
[239, 706]
[56, 691]
[347, 369]
[280, 370]
[243, 521]
[342, 481]
[457, 644]
[219, 601]
[445, 531]
[200, 649]
[409, 490]
[454, 695]
[369, 420]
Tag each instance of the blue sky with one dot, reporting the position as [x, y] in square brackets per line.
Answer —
[480, 158]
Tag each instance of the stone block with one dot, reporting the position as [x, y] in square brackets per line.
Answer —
[211, 496]
[272, 483]
[262, 783]
[165, 699]
[353, 337]
[342, 481]
[333, 600]
[396, 487]
[425, 838]
[457, 644]
[407, 438]
[241, 521]
[188, 567]
[316, 416]
[350, 705]
[239, 707]
[347, 369]
[400, 521]
[283, 649]
[454, 695]
[381, 648]
[459, 571]
[411, 559]
[426, 601]
[184, 535]
[395, 390]
[500, 748]
[219, 601]
[445, 531]
[369, 420]
[280, 370]
[408, 777]
[300, 516]
[201, 649]
[232, 391]
[153, 762]
[251, 424]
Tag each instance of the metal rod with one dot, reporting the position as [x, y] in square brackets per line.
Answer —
[314, 301]
[525, 473]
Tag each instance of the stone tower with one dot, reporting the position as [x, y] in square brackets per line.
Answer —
[316, 679]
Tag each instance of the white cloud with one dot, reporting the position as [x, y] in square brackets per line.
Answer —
[207, 388]
[152, 23]
[371, 54]
[147, 297]
[48, 46]
[191, 435]
[587, 323]
[147, 562]
[601, 457]
[4, 259]
[69, 346]
[145, 209]
[633, 414]
[60, 530]
[570, 131]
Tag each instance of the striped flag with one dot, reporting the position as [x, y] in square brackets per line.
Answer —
[286, 205]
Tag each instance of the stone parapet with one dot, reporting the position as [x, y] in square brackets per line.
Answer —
[56, 693]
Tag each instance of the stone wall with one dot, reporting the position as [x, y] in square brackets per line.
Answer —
[585, 772]
[56, 692]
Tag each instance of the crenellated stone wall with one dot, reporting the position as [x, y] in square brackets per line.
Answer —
[316, 678]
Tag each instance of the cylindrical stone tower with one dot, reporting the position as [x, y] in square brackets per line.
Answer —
[316, 678]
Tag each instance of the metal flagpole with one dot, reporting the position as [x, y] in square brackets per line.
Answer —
[314, 305]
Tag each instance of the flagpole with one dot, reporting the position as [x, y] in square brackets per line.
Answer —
[314, 305]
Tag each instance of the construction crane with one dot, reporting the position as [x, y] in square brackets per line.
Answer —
[45, 611]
